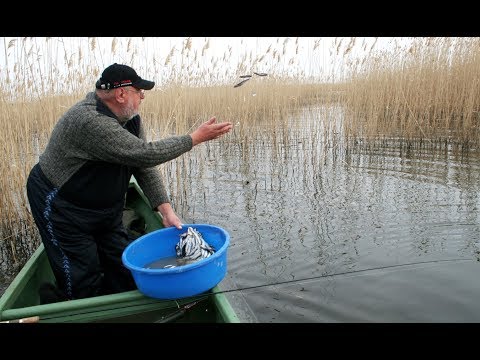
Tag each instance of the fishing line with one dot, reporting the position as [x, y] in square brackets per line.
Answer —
[337, 274]
[180, 312]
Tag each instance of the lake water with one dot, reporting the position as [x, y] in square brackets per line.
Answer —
[380, 235]
[318, 234]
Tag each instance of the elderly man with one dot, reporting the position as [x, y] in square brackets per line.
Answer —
[77, 189]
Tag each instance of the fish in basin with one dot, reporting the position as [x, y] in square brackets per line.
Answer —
[192, 247]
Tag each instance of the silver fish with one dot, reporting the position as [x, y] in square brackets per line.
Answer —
[241, 82]
[248, 77]
[192, 247]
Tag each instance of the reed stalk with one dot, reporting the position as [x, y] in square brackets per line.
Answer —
[421, 96]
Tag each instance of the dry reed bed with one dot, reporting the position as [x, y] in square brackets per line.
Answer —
[425, 95]
[174, 110]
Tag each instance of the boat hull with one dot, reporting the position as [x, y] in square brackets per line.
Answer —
[21, 299]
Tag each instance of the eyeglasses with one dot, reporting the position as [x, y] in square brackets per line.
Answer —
[140, 92]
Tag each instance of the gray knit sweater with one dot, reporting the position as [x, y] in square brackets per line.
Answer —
[83, 133]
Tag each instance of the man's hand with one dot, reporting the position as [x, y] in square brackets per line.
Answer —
[210, 130]
[169, 216]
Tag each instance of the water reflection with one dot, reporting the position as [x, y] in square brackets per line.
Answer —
[303, 207]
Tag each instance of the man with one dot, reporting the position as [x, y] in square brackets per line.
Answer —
[77, 189]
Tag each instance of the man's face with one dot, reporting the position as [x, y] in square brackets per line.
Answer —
[134, 98]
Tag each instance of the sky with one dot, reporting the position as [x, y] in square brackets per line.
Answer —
[40, 59]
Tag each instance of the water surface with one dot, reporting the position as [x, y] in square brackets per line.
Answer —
[322, 234]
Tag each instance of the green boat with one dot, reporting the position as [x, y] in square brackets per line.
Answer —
[20, 301]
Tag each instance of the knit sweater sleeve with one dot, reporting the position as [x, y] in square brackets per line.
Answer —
[104, 139]
[85, 134]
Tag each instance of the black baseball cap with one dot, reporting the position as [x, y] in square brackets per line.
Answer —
[118, 75]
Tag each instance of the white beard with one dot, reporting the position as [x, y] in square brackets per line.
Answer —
[129, 113]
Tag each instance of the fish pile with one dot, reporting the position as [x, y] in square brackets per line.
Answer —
[192, 247]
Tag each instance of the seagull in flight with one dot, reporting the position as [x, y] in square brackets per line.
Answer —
[248, 77]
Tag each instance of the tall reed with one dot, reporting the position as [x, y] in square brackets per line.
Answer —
[425, 94]
[422, 95]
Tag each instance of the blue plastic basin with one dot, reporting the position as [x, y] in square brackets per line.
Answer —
[181, 281]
